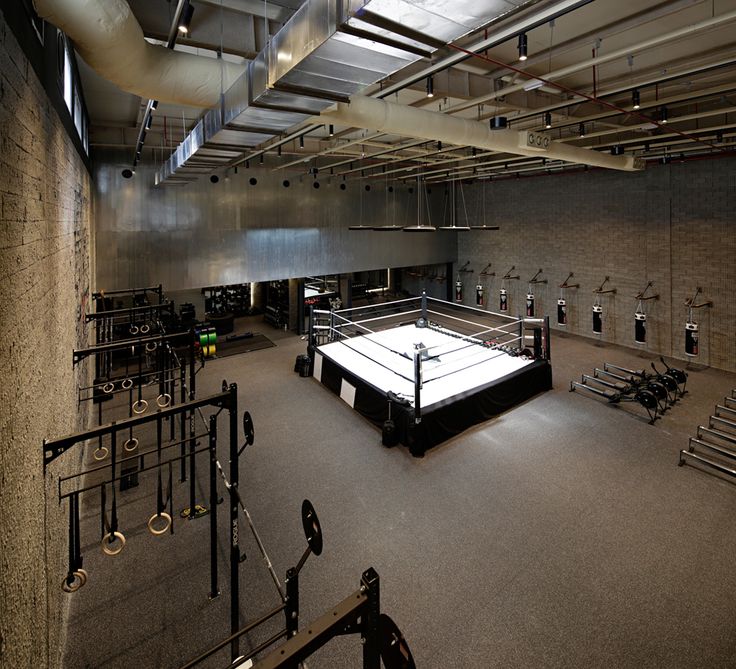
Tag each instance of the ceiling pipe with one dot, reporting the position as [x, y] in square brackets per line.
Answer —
[603, 58]
[396, 119]
[110, 39]
[541, 17]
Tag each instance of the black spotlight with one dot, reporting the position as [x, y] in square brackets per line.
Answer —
[522, 46]
[581, 129]
[286, 183]
[343, 186]
[367, 186]
[390, 189]
[430, 86]
[663, 114]
[635, 99]
[185, 21]
[548, 120]
[499, 123]
[252, 181]
[617, 150]
[214, 178]
[315, 184]
[128, 173]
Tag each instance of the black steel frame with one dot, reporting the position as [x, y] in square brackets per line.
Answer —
[225, 400]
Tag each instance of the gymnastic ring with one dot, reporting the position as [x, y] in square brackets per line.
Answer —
[130, 444]
[139, 406]
[108, 539]
[150, 347]
[145, 329]
[164, 529]
[108, 387]
[163, 400]
[80, 578]
[127, 384]
[100, 449]
[134, 329]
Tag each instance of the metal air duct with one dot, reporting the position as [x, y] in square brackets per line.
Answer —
[328, 51]
[395, 119]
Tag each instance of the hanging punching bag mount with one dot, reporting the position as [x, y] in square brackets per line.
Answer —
[530, 294]
[640, 317]
[692, 346]
[598, 308]
[562, 302]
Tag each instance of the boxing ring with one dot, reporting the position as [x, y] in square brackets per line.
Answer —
[436, 366]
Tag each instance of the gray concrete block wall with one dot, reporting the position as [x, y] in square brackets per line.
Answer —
[44, 273]
[671, 224]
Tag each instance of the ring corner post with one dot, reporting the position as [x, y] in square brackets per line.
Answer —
[417, 386]
[424, 305]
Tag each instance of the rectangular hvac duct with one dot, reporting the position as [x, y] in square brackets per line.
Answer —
[328, 51]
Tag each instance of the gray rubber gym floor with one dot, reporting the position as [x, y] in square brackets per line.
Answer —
[560, 534]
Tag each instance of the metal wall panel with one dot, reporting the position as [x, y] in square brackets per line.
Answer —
[231, 232]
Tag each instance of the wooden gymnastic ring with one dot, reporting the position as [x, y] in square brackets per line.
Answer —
[80, 578]
[130, 444]
[164, 529]
[145, 329]
[108, 387]
[139, 406]
[127, 384]
[150, 347]
[104, 451]
[133, 329]
[163, 400]
[106, 544]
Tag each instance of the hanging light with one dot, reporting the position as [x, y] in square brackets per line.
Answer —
[332, 130]
[663, 114]
[419, 227]
[635, 99]
[548, 120]
[430, 86]
[581, 129]
[453, 215]
[499, 123]
[522, 47]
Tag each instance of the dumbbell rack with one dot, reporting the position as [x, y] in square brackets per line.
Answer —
[718, 439]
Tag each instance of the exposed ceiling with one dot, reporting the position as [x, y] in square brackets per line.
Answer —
[679, 55]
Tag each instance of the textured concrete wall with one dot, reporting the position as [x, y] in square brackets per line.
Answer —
[671, 224]
[44, 273]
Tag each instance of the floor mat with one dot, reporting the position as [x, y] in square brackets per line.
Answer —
[254, 343]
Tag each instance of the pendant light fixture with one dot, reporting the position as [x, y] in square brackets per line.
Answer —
[419, 227]
[391, 227]
[483, 206]
[453, 212]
